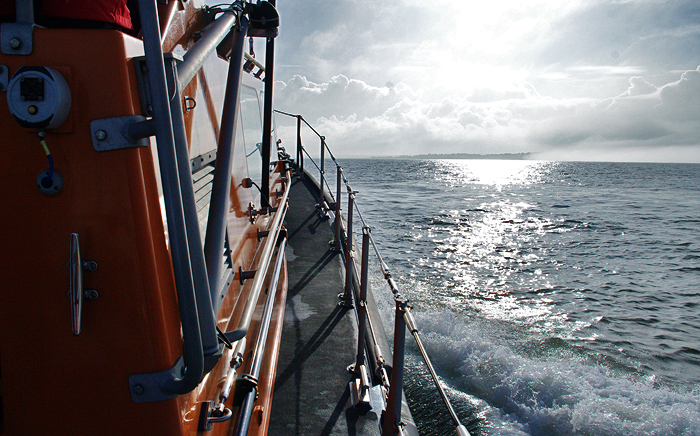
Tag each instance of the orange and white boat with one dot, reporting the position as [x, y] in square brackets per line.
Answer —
[145, 198]
[113, 234]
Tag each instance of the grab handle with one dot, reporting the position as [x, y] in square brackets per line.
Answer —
[76, 282]
[77, 293]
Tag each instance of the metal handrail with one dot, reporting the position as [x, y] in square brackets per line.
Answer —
[263, 265]
[404, 317]
[177, 228]
[246, 409]
[195, 57]
[193, 282]
[221, 186]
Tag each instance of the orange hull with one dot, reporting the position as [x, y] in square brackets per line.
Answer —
[52, 380]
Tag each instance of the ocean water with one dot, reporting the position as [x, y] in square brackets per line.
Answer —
[555, 298]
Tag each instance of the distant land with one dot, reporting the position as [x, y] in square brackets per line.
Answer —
[504, 156]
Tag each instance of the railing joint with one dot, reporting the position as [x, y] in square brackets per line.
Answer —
[345, 302]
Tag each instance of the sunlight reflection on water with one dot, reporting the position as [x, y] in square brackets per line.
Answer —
[547, 291]
[485, 249]
[492, 172]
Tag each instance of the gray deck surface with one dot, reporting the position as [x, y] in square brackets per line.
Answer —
[319, 337]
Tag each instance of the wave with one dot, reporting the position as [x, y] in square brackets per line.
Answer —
[568, 395]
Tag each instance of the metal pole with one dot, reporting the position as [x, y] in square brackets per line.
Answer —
[349, 266]
[322, 179]
[362, 310]
[393, 407]
[207, 320]
[300, 164]
[192, 344]
[199, 53]
[221, 185]
[411, 324]
[249, 398]
[339, 175]
[267, 119]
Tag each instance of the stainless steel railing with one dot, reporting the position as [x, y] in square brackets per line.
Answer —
[403, 317]
[197, 268]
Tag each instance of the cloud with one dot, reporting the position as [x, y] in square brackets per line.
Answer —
[410, 76]
[361, 120]
[639, 86]
[680, 101]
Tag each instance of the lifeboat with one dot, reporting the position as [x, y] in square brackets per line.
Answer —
[146, 244]
[146, 288]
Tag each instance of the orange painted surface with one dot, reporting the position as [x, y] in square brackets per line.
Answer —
[52, 381]
[108, 200]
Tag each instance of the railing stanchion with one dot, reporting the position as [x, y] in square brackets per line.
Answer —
[300, 154]
[349, 265]
[360, 386]
[404, 319]
[322, 179]
[339, 175]
[362, 309]
[392, 420]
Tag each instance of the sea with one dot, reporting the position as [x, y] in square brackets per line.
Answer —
[554, 298]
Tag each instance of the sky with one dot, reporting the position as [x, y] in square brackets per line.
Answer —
[565, 80]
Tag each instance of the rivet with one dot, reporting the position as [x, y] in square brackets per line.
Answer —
[15, 43]
[101, 135]
[138, 389]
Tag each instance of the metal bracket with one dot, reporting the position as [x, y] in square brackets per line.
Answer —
[145, 387]
[211, 413]
[245, 275]
[4, 77]
[262, 234]
[16, 38]
[113, 133]
[76, 293]
[252, 212]
[144, 86]
[244, 384]
[360, 388]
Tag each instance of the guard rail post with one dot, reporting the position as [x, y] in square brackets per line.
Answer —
[361, 384]
[339, 176]
[322, 179]
[362, 309]
[300, 153]
[349, 266]
[392, 420]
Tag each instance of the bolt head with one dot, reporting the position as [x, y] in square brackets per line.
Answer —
[138, 389]
[15, 43]
[101, 135]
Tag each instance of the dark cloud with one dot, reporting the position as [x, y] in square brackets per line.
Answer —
[647, 33]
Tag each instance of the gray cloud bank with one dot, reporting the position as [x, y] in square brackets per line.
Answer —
[601, 79]
[359, 120]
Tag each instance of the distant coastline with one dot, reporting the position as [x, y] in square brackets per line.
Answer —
[504, 156]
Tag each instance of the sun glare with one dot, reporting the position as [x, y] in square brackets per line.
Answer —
[493, 172]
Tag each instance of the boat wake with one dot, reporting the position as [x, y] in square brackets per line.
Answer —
[511, 394]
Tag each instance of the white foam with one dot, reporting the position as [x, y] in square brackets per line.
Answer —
[553, 397]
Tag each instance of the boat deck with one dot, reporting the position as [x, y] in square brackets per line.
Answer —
[319, 337]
